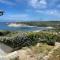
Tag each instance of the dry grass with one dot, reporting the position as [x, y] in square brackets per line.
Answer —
[41, 48]
[36, 52]
[55, 55]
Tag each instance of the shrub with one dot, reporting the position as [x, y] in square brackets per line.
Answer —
[4, 33]
[31, 38]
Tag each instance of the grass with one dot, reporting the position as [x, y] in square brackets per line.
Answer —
[21, 39]
[41, 48]
[38, 51]
[38, 42]
[55, 55]
[16, 58]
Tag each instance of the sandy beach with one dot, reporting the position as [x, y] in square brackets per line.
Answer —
[16, 25]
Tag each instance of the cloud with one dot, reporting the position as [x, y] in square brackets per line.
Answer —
[45, 4]
[15, 17]
[53, 4]
[38, 3]
[19, 16]
[7, 2]
[17, 1]
[58, 6]
[49, 12]
[46, 7]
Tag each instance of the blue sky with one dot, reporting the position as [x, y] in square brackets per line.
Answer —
[30, 10]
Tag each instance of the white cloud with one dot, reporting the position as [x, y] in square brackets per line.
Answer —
[15, 17]
[53, 12]
[49, 12]
[8, 2]
[18, 1]
[58, 6]
[45, 4]
[42, 2]
[19, 16]
[38, 3]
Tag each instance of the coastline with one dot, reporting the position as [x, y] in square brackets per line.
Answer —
[44, 29]
[16, 25]
[19, 25]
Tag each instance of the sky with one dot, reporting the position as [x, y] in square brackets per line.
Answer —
[30, 10]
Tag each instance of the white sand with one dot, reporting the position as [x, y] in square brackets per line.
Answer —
[50, 27]
[16, 25]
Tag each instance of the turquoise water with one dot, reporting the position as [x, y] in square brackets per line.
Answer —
[4, 26]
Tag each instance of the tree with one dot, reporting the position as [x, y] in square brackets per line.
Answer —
[1, 13]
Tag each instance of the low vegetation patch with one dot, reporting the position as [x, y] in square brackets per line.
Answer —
[36, 52]
[41, 48]
[55, 55]
[4, 33]
[21, 39]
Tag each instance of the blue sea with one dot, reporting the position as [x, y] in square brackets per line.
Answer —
[4, 26]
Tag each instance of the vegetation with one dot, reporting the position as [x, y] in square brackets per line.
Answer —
[41, 48]
[18, 39]
[3, 33]
[42, 23]
[38, 42]
[16, 58]
[37, 52]
[55, 55]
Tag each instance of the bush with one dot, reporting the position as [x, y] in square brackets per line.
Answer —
[30, 38]
[4, 33]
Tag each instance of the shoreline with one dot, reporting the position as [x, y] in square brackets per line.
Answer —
[19, 25]
[16, 25]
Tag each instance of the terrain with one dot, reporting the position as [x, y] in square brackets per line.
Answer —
[41, 45]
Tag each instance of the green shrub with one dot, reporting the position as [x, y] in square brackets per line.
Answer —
[4, 33]
[31, 38]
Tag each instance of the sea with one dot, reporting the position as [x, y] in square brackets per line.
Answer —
[4, 26]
